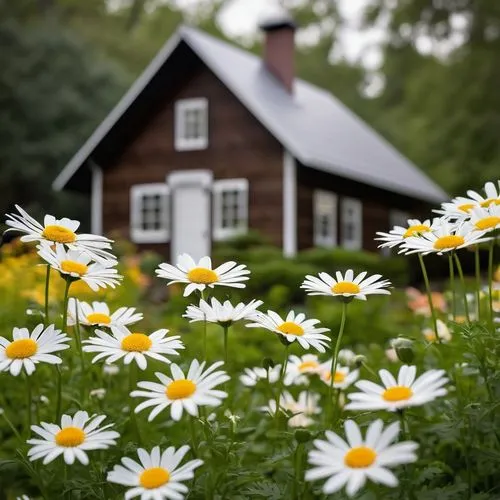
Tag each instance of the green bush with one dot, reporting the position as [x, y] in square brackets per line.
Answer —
[331, 260]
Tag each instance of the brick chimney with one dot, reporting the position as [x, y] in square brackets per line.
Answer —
[279, 46]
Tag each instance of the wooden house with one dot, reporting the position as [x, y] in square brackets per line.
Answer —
[212, 141]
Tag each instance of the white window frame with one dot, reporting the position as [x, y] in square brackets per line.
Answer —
[222, 233]
[183, 143]
[137, 233]
[328, 200]
[356, 206]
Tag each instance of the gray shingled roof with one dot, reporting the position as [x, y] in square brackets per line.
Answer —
[312, 124]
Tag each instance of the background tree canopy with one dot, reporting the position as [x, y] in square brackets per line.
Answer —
[65, 63]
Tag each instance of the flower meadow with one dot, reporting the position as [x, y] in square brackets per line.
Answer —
[103, 397]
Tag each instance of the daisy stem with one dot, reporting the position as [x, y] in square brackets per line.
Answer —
[11, 425]
[28, 404]
[194, 442]
[59, 393]
[464, 289]
[131, 384]
[478, 281]
[298, 470]
[406, 436]
[226, 330]
[429, 295]
[280, 384]
[335, 354]
[65, 305]
[80, 352]
[490, 281]
[452, 286]
[47, 281]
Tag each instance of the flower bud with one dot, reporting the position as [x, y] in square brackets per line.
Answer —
[404, 349]
[302, 436]
[359, 360]
[267, 363]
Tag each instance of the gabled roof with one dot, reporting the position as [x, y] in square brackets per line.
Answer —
[312, 124]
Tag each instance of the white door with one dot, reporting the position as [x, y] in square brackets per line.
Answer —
[190, 194]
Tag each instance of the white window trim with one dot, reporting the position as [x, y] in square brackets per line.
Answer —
[222, 233]
[137, 234]
[182, 143]
[357, 242]
[319, 239]
[289, 204]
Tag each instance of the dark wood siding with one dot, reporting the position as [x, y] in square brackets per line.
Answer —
[377, 205]
[239, 147]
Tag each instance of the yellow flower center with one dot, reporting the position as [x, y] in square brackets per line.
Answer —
[487, 223]
[21, 349]
[490, 201]
[397, 393]
[337, 379]
[202, 276]
[308, 365]
[466, 207]
[69, 437]
[430, 336]
[451, 241]
[346, 287]
[136, 342]
[180, 389]
[59, 234]
[95, 318]
[291, 328]
[154, 478]
[360, 457]
[416, 230]
[70, 266]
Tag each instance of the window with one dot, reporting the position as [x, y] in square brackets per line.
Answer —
[325, 219]
[230, 208]
[149, 213]
[191, 124]
[352, 224]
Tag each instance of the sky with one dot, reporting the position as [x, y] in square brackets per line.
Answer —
[241, 18]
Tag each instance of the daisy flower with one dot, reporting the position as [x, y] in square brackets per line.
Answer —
[121, 343]
[347, 357]
[298, 368]
[443, 333]
[251, 376]
[398, 234]
[346, 286]
[294, 327]
[492, 195]
[200, 275]
[394, 395]
[445, 237]
[343, 377]
[350, 463]
[485, 219]
[457, 209]
[302, 409]
[61, 231]
[76, 265]
[157, 475]
[27, 349]
[72, 438]
[98, 314]
[181, 392]
[222, 313]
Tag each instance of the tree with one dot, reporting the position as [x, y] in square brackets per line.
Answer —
[53, 92]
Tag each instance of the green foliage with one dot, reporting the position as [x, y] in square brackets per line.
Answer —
[52, 93]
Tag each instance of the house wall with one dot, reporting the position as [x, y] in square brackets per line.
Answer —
[239, 147]
[377, 205]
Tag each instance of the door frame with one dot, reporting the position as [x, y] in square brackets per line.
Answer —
[184, 178]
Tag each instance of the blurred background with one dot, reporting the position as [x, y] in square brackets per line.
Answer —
[424, 73]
